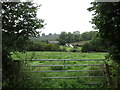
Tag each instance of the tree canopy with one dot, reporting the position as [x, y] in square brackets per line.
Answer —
[69, 37]
[19, 22]
[88, 35]
[106, 18]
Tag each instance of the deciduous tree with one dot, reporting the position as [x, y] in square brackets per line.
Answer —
[19, 22]
[107, 20]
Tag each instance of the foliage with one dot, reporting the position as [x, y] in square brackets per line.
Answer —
[76, 36]
[63, 38]
[87, 35]
[75, 49]
[63, 49]
[19, 22]
[86, 47]
[107, 21]
[69, 37]
[96, 44]
[40, 46]
[35, 46]
[46, 38]
[7, 76]
[70, 49]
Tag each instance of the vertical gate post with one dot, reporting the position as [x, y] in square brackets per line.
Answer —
[108, 75]
[16, 71]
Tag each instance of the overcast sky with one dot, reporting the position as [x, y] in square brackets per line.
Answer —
[65, 15]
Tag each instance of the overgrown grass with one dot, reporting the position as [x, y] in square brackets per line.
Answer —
[70, 49]
[37, 77]
[57, 55]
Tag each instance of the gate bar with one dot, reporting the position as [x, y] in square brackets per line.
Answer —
[60, 65]
[66, 71]
[63, 60]
[74, 77]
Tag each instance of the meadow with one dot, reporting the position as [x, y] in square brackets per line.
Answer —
[35, 79]
[57, 55]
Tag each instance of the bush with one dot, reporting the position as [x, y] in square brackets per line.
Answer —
[95, 45]
[55, 47]
[86, 47]
[73, 50]
[63, 49]
[35, 46]
[40, 46]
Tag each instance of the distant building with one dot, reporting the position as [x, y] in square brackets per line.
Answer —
[53, 41]
[78, 44]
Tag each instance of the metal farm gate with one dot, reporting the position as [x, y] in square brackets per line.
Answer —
[104, 69]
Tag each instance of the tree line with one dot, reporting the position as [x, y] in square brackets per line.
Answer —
[45, 38]
[66, 37]
[75, 36]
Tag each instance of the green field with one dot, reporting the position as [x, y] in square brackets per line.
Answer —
[58, 55]
[37, 78]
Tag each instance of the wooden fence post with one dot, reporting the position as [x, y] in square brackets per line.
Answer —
[108, 75]
[16, 71]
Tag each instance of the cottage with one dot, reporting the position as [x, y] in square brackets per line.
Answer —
[78, 44]
[53, 41]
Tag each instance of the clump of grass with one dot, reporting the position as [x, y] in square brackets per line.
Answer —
[94, 73]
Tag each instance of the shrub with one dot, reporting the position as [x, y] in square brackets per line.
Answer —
[73, 50]
[95, 45]
[55, 47]
[63, 49]
[35, 46]
[40, 46]
[86, 47]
